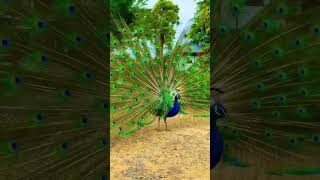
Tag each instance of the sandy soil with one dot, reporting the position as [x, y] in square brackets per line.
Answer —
[183, 152]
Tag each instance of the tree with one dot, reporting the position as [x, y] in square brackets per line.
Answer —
[165, 17]
[122, 8]
[161, 19]
[126, 8]
[200, 30]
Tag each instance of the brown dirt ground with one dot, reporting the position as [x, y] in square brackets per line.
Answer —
[181, 153]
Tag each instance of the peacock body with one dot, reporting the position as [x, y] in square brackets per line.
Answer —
[217, 111]
[266, 62]
[176, 107]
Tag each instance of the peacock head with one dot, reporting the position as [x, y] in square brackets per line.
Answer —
[215, 93]
[177, 95]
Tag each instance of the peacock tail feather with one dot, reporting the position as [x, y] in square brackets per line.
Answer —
[53, 89]
[146, 73]
[268, 66]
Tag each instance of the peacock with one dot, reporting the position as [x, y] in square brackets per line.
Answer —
[154, 79]
[265, 59]
[173, 111]
[217, 111]
[54, 89]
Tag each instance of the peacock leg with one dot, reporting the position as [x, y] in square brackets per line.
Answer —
[165, 121]
[159, 123]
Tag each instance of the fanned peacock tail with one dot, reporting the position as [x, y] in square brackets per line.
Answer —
[53, 89]
[147, 72]
[268, 66]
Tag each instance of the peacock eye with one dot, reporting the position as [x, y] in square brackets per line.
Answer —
[72, 9]
[14, 146]
[265, 24]
[18, 80]
[44, 59]
[292, 141]
[78, 39]
[280, 10]
[65, 146]
[39, 117]
[84, 120]
[67, 93]
[248, 37]
[88, 75]
[235, 9]
[41, 24]
[5, 43]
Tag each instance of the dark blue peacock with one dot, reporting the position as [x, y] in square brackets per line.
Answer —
[171, 113]
[266, 60]
[217, 111]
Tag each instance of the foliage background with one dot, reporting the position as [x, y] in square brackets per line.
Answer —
[163, 18]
